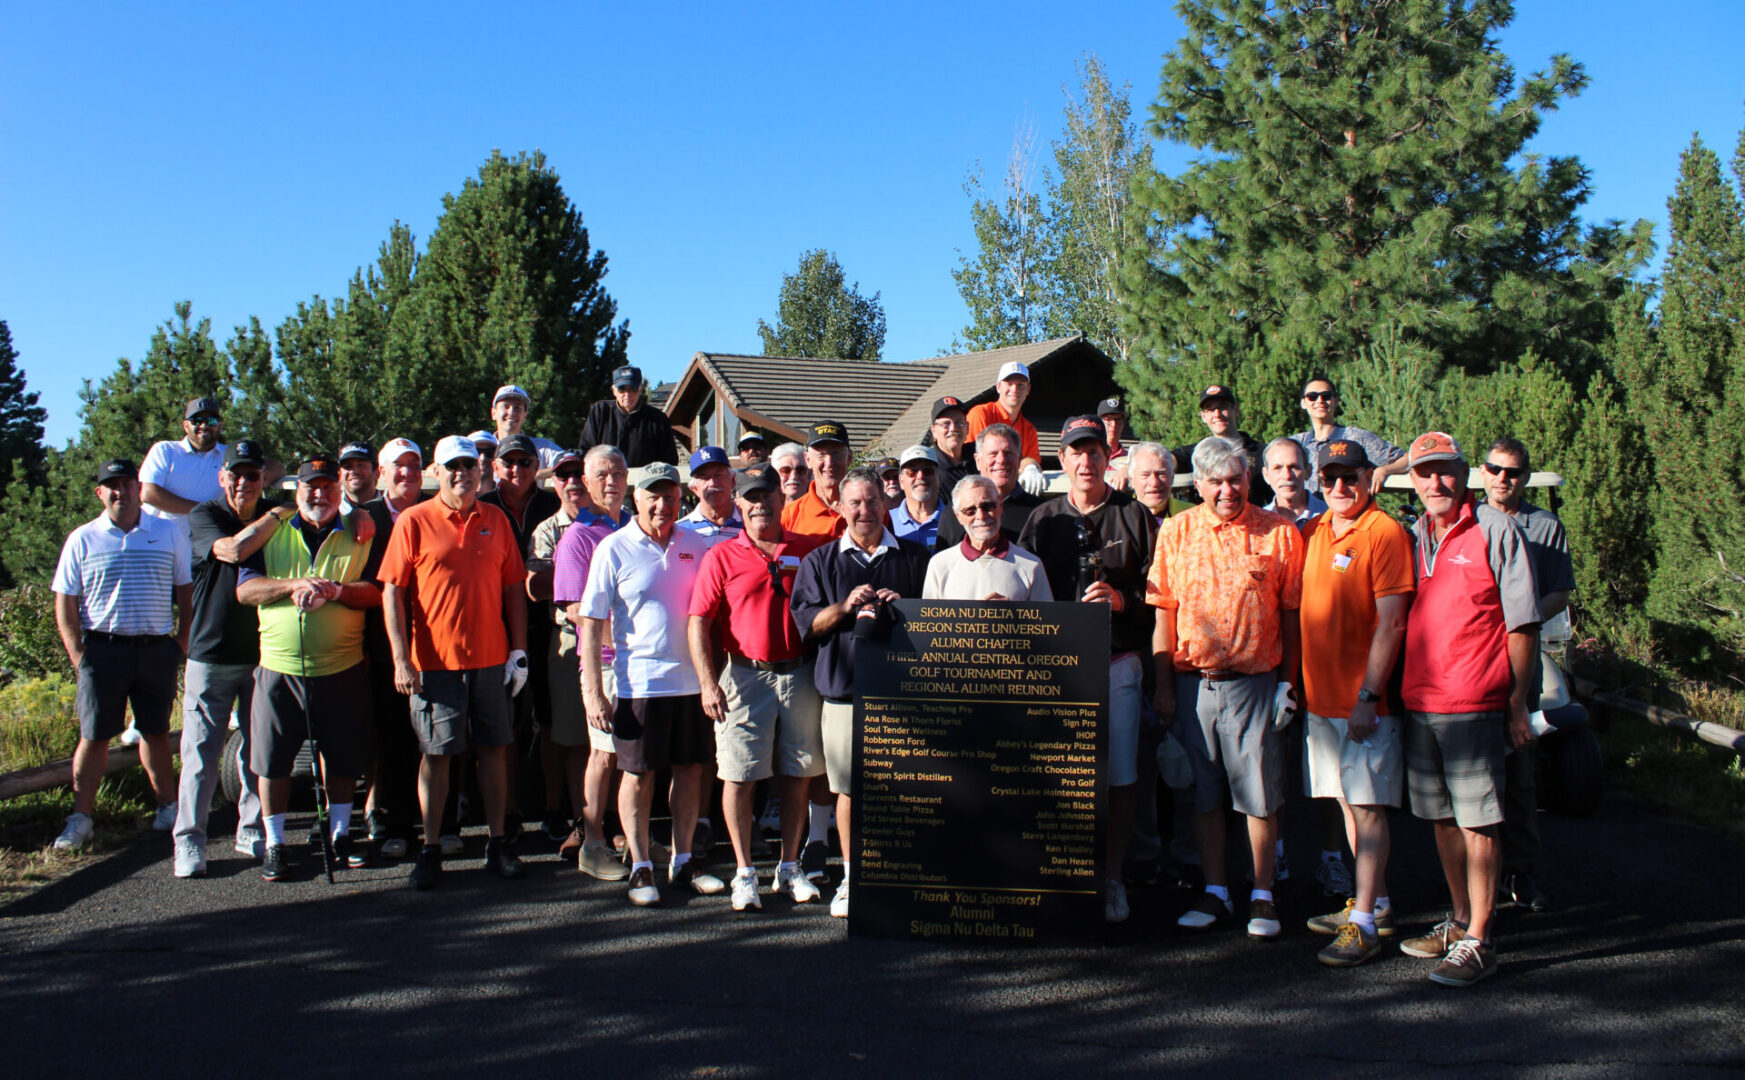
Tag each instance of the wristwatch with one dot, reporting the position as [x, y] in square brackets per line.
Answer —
[1367, 695]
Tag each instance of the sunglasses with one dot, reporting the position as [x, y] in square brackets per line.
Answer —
[568, 474]
[1331, 482]
[775, 579]
[1504, 470]
[461, 465]
[205, 421]
[247, 476]
[985, 509]
[518, 463]
[1320, 395]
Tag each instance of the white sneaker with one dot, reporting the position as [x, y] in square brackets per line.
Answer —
[770, 821]
[130, 736]
[795, 884]
[745, 896]
[839, 902]
[1115, 907]
[451, 844]
[165, 819]
[252, 844]
[190, 860]
[394, 847]
[77, 833]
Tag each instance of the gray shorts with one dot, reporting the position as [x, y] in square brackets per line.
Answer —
[456, 709]
[114, 674]
[1226, 728]
[287, 707]
[772, 725]
[1455, 766]
[1367, 773]
[1126, 687]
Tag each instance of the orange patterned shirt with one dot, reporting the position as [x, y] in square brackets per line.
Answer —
[1227, 581]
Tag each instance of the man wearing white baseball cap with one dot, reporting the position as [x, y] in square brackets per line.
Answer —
[916, 516]
[509, 408]
[1013, 388]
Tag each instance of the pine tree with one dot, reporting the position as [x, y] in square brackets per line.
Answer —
[136, 406]
[819, 314]
[21, 420]
[1360, 164]
[508, 291]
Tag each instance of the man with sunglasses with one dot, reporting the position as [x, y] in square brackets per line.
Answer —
[223, 651]
[641, 432]
[1506, 470]
[180, 475]
[915, 514]
[455, 597]
[1357, 588]
[949, 435]
[486, 442]
[1321, 402]
[762, 701]
[789, 460]
[1470, 645]
[984, 566]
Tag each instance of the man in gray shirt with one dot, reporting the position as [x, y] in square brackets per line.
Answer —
[1506, 470]
[1321, 402]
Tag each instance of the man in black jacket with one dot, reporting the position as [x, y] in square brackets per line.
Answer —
[642, 432]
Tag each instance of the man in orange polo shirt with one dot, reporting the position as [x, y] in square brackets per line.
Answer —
[1357, 588]
[817, 514]
[456, 616]
[1227, 579]
[1013, 388]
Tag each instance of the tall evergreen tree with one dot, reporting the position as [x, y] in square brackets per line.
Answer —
[21, 420]
[1361, 164]
[819, 314]
[509, 290]
[136, 406]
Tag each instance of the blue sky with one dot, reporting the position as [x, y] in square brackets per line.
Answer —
[247, 156]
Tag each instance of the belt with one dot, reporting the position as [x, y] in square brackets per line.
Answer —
[125, 639]
[1215, 675]
[779, 667]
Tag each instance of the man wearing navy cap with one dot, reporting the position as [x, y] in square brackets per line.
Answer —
[716, 518]
[357, 475]
[1223, 417]
[640, 431]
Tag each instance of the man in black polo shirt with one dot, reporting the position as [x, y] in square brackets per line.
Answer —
[223, 649]
[840, 590]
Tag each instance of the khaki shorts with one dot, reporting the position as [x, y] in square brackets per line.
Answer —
[836, 724]
[1455, 764]
[1367, 773]
[569, 716]
[772, 725]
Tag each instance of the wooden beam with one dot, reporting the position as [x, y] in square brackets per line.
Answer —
[60, 773]
[1719, 734]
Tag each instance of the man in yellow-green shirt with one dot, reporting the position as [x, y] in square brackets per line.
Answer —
[307, 582]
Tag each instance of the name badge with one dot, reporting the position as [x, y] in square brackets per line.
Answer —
[789, 561]
[1341, 561]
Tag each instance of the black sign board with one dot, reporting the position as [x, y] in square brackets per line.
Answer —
[980, 748]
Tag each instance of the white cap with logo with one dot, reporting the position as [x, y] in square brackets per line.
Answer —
[395, 449]
[1012, 369]
[455, 447]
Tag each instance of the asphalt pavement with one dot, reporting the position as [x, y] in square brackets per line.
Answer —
[120, 969]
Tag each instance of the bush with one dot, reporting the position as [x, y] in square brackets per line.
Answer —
[30, 643]
[37, 722]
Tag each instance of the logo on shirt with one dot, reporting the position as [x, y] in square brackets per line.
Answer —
[685, 556]
[484, 532]
[1459, 559]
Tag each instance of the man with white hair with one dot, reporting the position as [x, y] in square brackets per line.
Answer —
[984, 566]
[1228, 580]
[1151, 478]
[789, 460]
[997, 456]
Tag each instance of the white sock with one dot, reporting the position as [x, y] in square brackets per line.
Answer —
[341, 816]
[748, 872]
[1331, 856]
[1382, 903]
[789, 868]
[680, 860]
[1364, 920]
[275, 829]
[1222, 892]
[818, 824]
[643, 865]
[1260, 894]
[845, 874]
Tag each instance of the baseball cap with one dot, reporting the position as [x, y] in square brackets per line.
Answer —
[482, 440]
[117, 469]
[1012, 369]
[317, 466]
[919, 453]
[200, 406]
[708, 455]
[519, 444]
[948, 404]
[1081, 429]
[756, 478]
[657, 473]
[244, 452]
[628, 377]
[510, 390]
[750, 436]
[1434, 446]
[1110, 406]
[357, 448]
[452, 448]
[566, 457]
[395, 449]
[1216, 391]
[885, 465]
[1343, 452]
[827, 431]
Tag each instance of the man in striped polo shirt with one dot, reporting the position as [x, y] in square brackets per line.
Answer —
[123, 586]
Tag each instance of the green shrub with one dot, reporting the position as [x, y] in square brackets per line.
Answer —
[30, 643]
[37, 722]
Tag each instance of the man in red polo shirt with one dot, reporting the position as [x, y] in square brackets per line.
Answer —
[456, 616]
[765, 708]
[1470, 644]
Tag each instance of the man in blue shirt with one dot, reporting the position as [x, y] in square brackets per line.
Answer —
[916, 517]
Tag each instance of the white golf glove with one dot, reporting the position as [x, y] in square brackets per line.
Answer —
[1032, 480]
[515, 672]
[1284, 706]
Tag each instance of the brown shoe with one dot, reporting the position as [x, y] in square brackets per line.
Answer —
[1468, 961]
[1263, 924]
[1435, 945]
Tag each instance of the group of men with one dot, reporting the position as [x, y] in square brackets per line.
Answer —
[398, 631]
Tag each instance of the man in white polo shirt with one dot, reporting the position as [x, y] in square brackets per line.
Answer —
[124, 584]
[640, 578]
[178, 476]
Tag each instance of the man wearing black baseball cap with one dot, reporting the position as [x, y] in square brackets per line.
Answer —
[1223, 417]
[180, 475]
[817, 513]
[643, 433]
[357, 474]
[948, 433]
